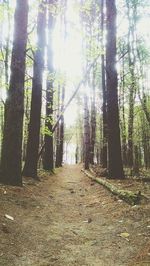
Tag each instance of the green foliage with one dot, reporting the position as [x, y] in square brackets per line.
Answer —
[45, 131]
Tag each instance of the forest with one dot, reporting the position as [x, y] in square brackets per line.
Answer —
[74, 132]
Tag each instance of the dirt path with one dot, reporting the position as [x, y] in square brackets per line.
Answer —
[67, 220]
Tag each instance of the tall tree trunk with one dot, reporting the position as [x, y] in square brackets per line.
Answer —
[48, 158]
[27, 103]
[132, 89]
[93, 120]
[143, 98]
[31, 162]
[6, 68]
[145, 143]
[130, 126]
[104, 148]
[86, 134]
[115, 166]
[14, 107]
[61, 147]
[58, 133]
[61, 124]
[7, 47]
[122, 84]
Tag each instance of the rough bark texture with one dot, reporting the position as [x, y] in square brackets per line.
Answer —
[61, 147]
[48, 160]
[104, 148]
[123, 120]
[132, 89]
[93, 120]
[143, 101]
[145, 143]
[60, 152]
[58, 132]
[14, 107]
[130, 127]
[86, 134]
[30, 167]
[115, 166]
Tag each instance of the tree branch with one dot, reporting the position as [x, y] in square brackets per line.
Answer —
[70, 100]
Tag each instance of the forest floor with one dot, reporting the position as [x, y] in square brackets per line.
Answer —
[67, 220]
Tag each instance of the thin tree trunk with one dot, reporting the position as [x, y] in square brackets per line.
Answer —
[124, 137]
[11, 163]
[27, 102]
[61, 141]
[145, 143]
[61, 149]
[136, 161]
[132, 89]
[31, 162]
[93, 120]
[48, 158]
[58, 132]
[115, 166]
[86, 134]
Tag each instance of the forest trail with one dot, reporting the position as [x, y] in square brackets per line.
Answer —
[67, 220]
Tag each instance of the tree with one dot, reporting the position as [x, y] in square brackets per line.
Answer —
[132, 87]
[48, 157]
[93, 117]
[61, 144]
[30, 167]
[86, 134]
[57, 162]
[115, 166]
[60, 127]
[14, 107]
[122, 47]
[104, 92]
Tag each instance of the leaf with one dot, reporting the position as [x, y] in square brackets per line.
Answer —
[125, 235]
[9, 217]
[88, 221]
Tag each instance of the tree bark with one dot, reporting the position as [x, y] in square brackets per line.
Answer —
[123, 120]
[104, 92]
[31, 162]
[93, 119]
[48, 158]
[14, 107]
[86, 134]
[61, 147]
[132, 89]
[115, 166]
[58, 133]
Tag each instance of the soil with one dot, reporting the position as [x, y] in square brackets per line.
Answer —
[66, 219]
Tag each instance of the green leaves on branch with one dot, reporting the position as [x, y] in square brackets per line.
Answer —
[46, 131]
